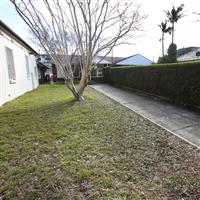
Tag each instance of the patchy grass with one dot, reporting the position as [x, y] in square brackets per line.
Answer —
[53, 148]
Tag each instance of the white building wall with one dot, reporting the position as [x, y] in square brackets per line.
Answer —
[9, 91]
[1, 69]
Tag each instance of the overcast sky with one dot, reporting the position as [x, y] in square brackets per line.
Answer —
[187, 30]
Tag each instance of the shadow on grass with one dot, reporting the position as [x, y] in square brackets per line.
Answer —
[13, 123]
[58, 107]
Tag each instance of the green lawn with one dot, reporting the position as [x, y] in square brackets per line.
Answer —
[54, 148]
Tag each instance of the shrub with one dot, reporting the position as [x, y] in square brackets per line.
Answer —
[172, 53]
[163, 59]
[179, 82]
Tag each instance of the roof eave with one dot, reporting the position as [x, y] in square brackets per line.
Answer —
[8, 30]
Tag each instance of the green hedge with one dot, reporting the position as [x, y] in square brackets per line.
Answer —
[179, 83]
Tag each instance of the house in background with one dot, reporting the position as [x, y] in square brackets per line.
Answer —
[188, 54]
[50, 73]
[113, 59]
[18, 70]
[99, 62]
[42, 72]
[75, 63]
[136, 59]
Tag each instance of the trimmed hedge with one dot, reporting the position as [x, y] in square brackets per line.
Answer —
[179, 83]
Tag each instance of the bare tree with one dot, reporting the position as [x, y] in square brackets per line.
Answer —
[82, 27]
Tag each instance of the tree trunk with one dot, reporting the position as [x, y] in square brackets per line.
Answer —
[78, 94]
[163, 45]
[83, 85]
[72, 88]
[172, 33]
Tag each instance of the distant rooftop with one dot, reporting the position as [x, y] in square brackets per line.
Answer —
[76, 59]
[191, 55]
[186, 50]
[136, 59]
[113, 60]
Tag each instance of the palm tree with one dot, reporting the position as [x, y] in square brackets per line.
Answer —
[164, 29]
[196, 13]
[173, 16]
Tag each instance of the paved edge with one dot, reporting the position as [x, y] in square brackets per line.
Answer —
[186, 140]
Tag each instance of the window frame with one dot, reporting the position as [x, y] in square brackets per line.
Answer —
[28, 73]
[10, 65]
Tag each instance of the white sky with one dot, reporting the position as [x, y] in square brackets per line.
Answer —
[187, 31]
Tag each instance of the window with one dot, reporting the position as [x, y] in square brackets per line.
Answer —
[10, 64]
[38, 59]
[27, 67]
[99, 71]
[47, 58]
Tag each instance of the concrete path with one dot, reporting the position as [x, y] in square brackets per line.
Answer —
[177, 120]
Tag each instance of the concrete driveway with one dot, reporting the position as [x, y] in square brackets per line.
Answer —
[177, 120]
